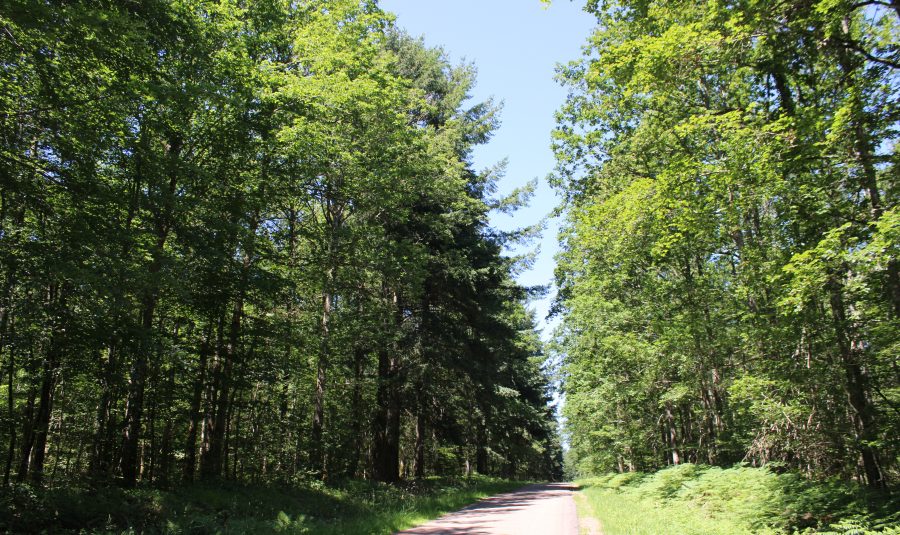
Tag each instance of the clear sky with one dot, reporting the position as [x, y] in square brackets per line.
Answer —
[515, 45]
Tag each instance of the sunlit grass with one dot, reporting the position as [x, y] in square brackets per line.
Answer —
[699, 500]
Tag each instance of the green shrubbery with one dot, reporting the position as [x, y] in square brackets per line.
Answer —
[346, 508]
[692, 499]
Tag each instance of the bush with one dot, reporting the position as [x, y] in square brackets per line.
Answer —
[690, 499]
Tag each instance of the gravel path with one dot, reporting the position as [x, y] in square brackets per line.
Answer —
[546, 509]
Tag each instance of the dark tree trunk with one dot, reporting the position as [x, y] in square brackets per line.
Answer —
[42, 418]
[190, 449]
[11, 415]
[317, 450]
[101, 462]
[207, 461]
[136, 387]
[334, 216]
[862, 411]
[27, 435]
[359, 356]
[481, 454]
[386, 434]
[138, 375]
[419, 470]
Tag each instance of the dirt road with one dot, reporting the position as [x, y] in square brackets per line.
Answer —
[547, 509]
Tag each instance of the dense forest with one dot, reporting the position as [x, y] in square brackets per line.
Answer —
[729, 275]
[244, 240]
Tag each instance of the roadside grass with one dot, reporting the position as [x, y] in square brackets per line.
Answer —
[348, 508]
[701, 500]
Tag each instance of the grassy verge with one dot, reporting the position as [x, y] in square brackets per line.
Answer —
[698, 500]
[353, 507]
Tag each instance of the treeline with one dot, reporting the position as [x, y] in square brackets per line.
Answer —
[244, 240]
[729, 279]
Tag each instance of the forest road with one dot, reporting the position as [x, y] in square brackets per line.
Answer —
[544, 509]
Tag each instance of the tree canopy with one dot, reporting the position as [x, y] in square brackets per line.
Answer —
[246, 240]
[729, 279]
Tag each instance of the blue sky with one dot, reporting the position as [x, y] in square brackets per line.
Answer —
[515, 45]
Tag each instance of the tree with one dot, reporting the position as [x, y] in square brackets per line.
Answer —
[715, 168]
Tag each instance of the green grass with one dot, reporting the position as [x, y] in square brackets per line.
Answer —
[353, 507]
[699, 500]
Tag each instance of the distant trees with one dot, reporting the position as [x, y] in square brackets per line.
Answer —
[245, 241]
[730, 268]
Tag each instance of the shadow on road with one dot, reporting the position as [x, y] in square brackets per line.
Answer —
[477, 518]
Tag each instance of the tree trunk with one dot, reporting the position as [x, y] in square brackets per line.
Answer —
[138, 375]
[42, 418]
[317, 451]
[481, 454]
[27, 436]
[190, 449]
[101, 451]
[419, 468]
[672, 436]
[386, 450]
[334, 216]
[863, 416]
[11, 415]
[356, 404]
[207, 462]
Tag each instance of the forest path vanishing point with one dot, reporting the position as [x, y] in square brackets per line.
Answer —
[543, 509]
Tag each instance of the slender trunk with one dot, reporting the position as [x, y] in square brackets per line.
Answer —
[103, 447]
[481, 456]
[11, 415]
[216, 446]
[42, 418]
[190, 456]
[27, 434]
[207, 461]
[672, 435]
[5, 335]
[165, 449]
[862, 411]
[419, 468]
[334, 216]
[317, 452]
[138, 375]
[386, 450]
[137, 386]
[101, 463]
[356, 404]
[38, 424]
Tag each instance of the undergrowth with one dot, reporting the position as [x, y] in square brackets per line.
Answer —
[351, 507]
[700, 500]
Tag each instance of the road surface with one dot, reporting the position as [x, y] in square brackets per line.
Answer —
[546, 509]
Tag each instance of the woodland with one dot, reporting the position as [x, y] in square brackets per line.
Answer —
[729, 276]
[245, 241]
[247, 262]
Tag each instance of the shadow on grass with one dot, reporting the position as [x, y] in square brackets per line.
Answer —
[344, 507]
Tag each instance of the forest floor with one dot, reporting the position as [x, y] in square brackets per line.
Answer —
[352, 507]
[701, 500]
[542, 509]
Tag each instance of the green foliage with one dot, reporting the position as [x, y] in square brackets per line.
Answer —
[729, 279]
[352, 507]
[245, 242]
[692, 499]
